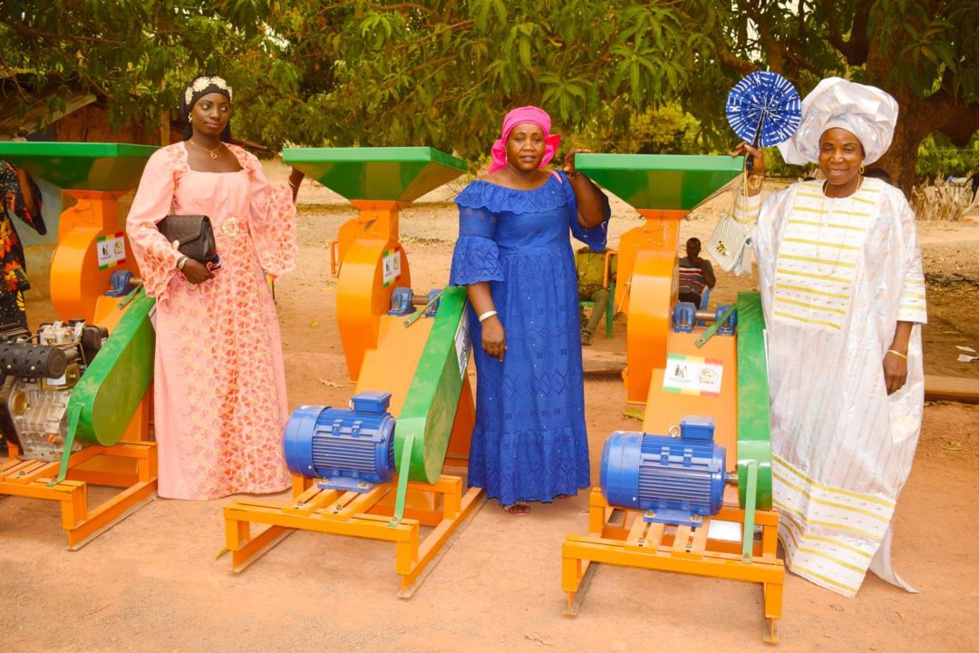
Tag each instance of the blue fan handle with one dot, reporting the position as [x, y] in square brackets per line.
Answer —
[749, 162]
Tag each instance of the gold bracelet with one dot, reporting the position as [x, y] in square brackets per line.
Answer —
[754, 182]
[897, 353]
[293, 187]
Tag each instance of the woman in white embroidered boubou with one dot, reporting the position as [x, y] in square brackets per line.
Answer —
[843, 294]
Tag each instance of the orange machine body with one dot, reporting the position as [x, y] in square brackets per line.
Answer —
[91, 246]
[372, 265]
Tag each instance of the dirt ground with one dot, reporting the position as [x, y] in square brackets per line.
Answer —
[153, 582]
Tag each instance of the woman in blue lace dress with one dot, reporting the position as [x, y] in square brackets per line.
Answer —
[515, 258]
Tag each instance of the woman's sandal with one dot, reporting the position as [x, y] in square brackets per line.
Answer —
[517, 509]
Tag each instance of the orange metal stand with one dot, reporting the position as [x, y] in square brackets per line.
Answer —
[620, 537]
[383, 353]
[441, 506]
[128, 465]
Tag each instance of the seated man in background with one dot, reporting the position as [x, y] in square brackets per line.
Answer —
[591, 286]
[695, 274]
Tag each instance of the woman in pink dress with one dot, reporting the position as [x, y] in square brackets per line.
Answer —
[219, 384]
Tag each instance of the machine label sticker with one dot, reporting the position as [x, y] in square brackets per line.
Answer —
[391, 262]
[693, 375]
[61, 380]
[463, 343]
[111, 250]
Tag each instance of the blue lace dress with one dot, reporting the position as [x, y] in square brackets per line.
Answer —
[529, 442]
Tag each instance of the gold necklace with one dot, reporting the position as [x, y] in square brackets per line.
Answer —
[213, 153]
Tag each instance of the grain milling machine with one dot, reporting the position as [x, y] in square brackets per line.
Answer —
[692, 491]
[374, 469]
[74, 400]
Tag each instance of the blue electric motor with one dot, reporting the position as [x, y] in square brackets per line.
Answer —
[677, 480]
[350, 448]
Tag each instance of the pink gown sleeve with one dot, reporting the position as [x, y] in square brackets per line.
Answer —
[156, 258]
[272, 222]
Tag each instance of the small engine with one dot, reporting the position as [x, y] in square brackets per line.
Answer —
[36, 381]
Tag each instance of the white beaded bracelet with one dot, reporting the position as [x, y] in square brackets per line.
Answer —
[487, 315]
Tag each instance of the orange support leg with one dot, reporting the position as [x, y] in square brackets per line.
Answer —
[631, 542]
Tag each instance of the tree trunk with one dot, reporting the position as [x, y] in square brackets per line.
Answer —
[913, 125]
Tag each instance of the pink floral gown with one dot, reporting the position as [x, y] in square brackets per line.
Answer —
[219, 384]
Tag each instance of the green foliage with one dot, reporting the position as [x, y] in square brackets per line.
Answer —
[135, 56]
[939, 158]
[626, 75]
[443, 73]
[662, 129]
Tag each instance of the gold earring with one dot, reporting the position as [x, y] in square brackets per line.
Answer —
[863, 168]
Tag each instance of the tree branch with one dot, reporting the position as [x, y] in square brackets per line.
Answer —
[855, 49]
[777, 53]
[954, 118]
[731, 60]
[401, 5]
[24, 30]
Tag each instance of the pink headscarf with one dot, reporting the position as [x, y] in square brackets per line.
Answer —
[519, 116]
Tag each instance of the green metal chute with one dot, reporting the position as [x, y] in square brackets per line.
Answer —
[754, 412]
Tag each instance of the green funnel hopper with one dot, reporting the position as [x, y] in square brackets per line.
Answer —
[80, 166]
[666, 182]
[401, 174]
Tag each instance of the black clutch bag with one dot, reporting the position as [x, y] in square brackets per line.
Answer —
[192, 236]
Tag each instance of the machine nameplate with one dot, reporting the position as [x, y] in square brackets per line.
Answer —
[463, 343]
[391, 264]
[692, 375]
[111, 250]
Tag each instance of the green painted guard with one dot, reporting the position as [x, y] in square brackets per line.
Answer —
[430, 407]
[113, 385]
[80, 166]
[401, 174]
[754, 413]
[669, 182]
[103, 402]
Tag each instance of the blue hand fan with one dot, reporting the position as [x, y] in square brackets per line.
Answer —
[763, 109]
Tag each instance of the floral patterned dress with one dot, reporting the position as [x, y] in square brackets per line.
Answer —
[14, 269]
[219, 384]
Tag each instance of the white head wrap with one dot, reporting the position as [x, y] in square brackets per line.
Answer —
[867, 112]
